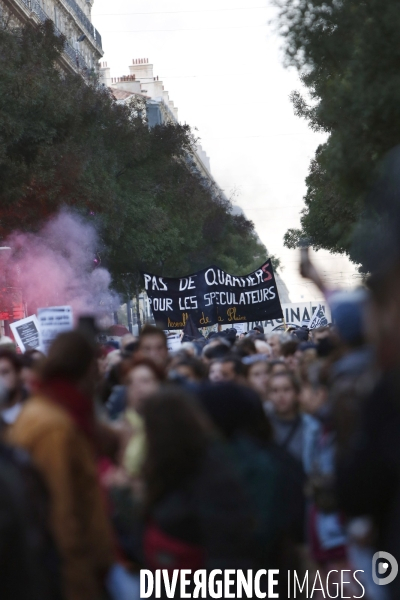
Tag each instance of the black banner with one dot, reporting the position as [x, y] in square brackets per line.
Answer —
[212, 296]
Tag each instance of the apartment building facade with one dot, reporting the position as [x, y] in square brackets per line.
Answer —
[71, 18]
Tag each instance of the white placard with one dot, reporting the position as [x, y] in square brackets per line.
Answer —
[174, 341]
[53, 321]
[26, 333]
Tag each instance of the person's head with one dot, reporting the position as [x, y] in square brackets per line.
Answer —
[129, 346]
[314, 389]
[284, 394]
[34, 355]
[245, 347]
[307, 347]
[289, 353]
[30, 365]
[177, 437]
[142, 378]
[263, 347]
[348, 313]
[277, 366]
[275, 341]
[259, 329]
[217, 348]
[235, 410]
[257, 371]
[230, 335]
[127, 340]
[72, 358]
[215, 371]
[306, 357]
[320, 333]
[190, 369]
[10, 374]
[229, 368]
[6, 343]
[153, 345]
[301, 334]
[189, 349]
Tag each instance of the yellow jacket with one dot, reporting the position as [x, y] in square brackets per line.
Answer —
[67, 462]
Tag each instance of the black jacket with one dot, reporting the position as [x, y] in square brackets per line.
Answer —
[211, 510]
[368, 473]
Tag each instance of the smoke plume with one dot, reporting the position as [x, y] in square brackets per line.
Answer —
[57, 266]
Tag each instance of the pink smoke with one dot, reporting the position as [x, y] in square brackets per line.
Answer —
[55, 267]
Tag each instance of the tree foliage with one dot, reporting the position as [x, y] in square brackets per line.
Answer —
[67, 142]
[348, 57]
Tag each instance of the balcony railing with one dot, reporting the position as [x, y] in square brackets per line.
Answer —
[76, 57]
[85, 21]
[35, 6]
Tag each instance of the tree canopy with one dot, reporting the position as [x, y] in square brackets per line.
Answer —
[66, 142]
[348, 57]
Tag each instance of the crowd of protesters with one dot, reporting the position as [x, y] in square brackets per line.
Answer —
[256, 451]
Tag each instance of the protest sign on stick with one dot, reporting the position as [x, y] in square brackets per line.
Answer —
[26, 333]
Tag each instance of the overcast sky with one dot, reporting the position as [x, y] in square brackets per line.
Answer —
[222, 64]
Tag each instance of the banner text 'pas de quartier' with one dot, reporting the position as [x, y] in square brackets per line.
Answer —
[212, 296]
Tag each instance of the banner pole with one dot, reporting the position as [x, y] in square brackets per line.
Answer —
[129, 313]
[138, 309]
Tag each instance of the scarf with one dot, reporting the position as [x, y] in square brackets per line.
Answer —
[79, 406]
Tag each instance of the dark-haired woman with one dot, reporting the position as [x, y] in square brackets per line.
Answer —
[198, 515]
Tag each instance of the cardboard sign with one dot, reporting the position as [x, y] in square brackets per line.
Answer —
[52, 322]
[26, 333]
[212, 296]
